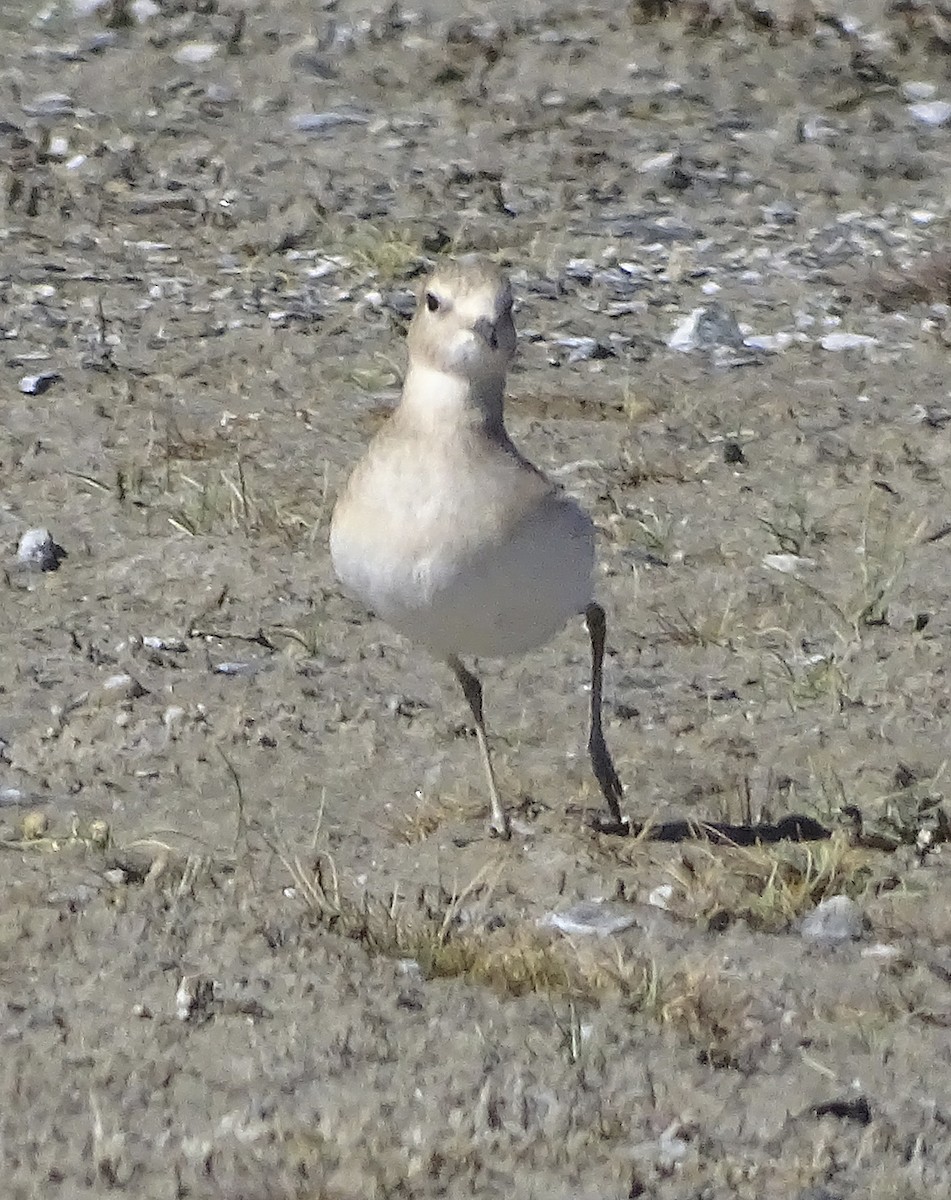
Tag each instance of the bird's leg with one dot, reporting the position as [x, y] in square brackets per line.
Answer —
[472, 689]
[601, 763]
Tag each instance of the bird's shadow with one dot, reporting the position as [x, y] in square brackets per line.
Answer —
[794, 828]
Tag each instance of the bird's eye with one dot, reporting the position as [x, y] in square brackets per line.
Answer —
[432, 301]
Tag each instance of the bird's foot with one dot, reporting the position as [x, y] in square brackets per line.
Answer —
[500, 827]
[612, 826]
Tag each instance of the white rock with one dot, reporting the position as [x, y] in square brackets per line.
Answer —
[847, 341]
[36, 385]
[326, 122]
[159, 643]
[235, 668]
[883, 951]
[580, 349]
[837, 919]
[173, 713]
[788, 564]
[37, 549]
[659, 897]
[658, 162]
[705, 329]
[590, 917]
[144, 10]
[931, 112]
[120, 687]
[916, 89]
[773, 343]
[194, 53]
[195, 997]
[818, 129]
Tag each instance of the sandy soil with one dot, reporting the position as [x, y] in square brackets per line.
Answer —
[256, 940]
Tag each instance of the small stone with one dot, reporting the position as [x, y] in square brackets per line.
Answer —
[581, 349]
[770, 343]
[194, 53]
[818, 129]
[99, 834]
[837, 919]
[658, 162]
[706, 329]
[195, 998]
[660, 896]
[882, 951]
[916, 89]
[34, 825]
[36, 385]
[847, 341]
[788, 564]
[590, 917]
[38, 550]
[144, 10]
[931, 112]
[122, 687]
[173, 645]
[327, 122]
[53, 104]
[172, 715]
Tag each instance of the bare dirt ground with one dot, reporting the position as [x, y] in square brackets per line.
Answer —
[216, 768]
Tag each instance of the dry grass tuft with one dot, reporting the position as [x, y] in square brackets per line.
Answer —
[769, 887]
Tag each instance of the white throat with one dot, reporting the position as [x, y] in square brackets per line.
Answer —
[432, 396]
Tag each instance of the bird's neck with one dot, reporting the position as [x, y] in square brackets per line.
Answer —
[432, 399]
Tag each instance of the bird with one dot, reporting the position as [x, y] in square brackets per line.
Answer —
[447, 532]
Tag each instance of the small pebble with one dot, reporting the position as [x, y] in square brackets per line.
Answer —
[194, 53]
[788, 564]
[144, 10]
[36, 385]
[931, 112]
[123, 687]
[771, 343]
[847, 341]
[590, 917]
[195, 998]
[326, 122]
[705, 329]
[235, 668]
[837, 919]
[100, 835]
[916, 89]
[54, 104]
[34, 825]
[174, 645]
[38, 550]
[660, 897]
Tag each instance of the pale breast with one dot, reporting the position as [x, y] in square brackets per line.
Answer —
[471, 553]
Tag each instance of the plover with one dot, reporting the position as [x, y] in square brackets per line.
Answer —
[447, 532]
